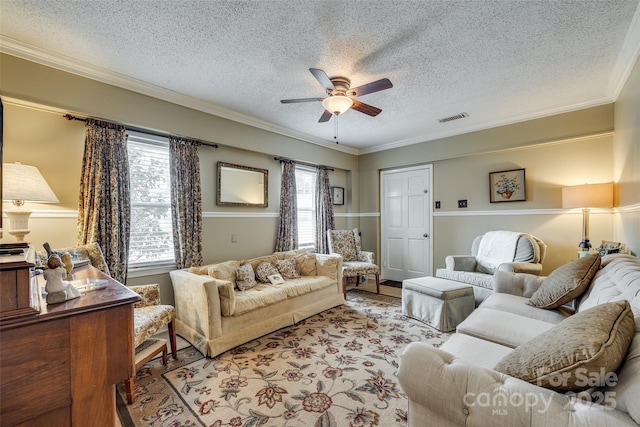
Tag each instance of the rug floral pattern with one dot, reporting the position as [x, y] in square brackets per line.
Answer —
[337, 368]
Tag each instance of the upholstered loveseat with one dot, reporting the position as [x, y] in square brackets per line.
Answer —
[459, 384]
[493, 251]
[214, 315]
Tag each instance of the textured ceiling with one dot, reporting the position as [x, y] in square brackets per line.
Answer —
[499, 61]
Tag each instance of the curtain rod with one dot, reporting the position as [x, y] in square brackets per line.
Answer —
[135, 129]
[281, 159]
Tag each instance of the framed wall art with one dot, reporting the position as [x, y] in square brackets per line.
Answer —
[337, 195]
[507, 186]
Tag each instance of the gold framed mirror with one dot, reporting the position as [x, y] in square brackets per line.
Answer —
[242, 186]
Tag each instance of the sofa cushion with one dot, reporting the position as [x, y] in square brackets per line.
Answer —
[263, 295]
[255, 262]
[521, 284]
[574, 354]
[264, 270]
[627, 388]
[518, 305]
[245, 277]
[566, 283]
[287, 267]
[305, 264]
[617, 280]
[224, 270]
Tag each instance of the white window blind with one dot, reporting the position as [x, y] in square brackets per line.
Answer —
[306, 202]
[151, 241]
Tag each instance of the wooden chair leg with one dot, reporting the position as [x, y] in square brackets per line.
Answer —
[129, 386]
[344, 286]
[378, 283]
[172, 340]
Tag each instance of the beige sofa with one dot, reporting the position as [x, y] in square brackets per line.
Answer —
[457, 385]
[214, 316]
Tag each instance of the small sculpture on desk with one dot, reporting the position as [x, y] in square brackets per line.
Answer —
[58, 289]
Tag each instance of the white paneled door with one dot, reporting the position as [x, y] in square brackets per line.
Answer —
[406, 222]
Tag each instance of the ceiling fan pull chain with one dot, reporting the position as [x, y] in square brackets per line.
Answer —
[336, 131]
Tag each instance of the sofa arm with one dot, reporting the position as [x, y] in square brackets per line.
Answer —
[520, 284]
[521, 267]
[447, 391]
[460, 262]
[149, 294]
[197, 302]
[330, 265]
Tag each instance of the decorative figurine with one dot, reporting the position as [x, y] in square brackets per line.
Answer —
[58, 289]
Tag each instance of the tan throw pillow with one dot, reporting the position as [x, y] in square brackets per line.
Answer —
[224, 271]
[255, 262]
[566, 283]
[306, 264]
[576, 354]
[245, 277]
[264, 270]
[287, 267]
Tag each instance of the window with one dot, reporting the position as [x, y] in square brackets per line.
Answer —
[151, 241]
[306, 202]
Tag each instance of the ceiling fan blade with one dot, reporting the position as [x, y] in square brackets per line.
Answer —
[365, 108]
[322, 77]
[325, 116]
[376, 86]
[293, 101]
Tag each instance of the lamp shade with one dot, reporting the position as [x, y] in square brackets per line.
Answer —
[337, 104]
[25, 183]
[588, 196]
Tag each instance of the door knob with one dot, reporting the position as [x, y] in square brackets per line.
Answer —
[425, 235]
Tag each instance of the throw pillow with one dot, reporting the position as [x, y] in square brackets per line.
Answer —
[576, 354]
[306, 264]
[245, 277]
[264, 270]
[287, 267]
[224, 270]
[566, 283]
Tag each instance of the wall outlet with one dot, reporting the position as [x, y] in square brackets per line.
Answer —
[234, 238]
[437, 204]
[462, 203]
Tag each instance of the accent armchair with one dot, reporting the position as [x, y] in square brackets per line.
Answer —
[149, 316]
[495, 250]
[356, 262]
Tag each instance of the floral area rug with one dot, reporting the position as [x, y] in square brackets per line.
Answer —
[337, 368]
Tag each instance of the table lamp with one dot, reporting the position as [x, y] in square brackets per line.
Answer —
[585, 197]
[20, 184]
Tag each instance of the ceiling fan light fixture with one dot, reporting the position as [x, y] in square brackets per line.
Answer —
[337, 104]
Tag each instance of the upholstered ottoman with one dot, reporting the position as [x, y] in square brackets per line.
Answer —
[441, 303]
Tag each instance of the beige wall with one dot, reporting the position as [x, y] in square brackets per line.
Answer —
[626, 150]
[554, 151]
[35, 98]
[565, 149]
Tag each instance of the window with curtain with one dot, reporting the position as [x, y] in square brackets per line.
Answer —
[151, 241]
[306, 188]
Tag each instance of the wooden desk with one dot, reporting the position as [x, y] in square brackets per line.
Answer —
[59, 367]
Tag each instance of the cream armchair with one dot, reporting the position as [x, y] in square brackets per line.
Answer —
[495, 250]
[355, 261]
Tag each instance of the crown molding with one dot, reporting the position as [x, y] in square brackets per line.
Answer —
[629, 54]
[31, 53]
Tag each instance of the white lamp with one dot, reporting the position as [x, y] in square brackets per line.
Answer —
[585, 197]
[23, 183]
[337, 104]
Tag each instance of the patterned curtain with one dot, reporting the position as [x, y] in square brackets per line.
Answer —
[104, 208]
[288, 229]
[186, 203]
[324, 210]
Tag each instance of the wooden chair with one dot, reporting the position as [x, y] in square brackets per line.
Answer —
[356, 262]
[149, 317]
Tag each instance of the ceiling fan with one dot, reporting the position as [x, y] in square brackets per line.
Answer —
[341, 96]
